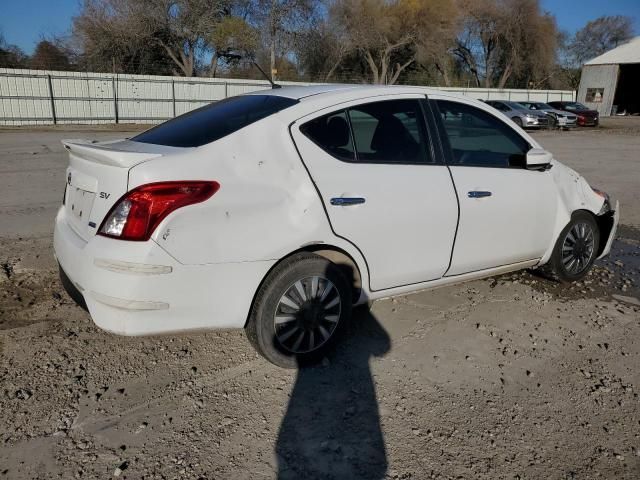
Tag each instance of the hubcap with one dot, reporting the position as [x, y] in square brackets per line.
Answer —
[307, 314]
[577, 248]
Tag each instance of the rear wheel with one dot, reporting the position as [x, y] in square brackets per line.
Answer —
[576, 248]
[299, 311]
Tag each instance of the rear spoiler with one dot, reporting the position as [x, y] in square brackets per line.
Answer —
[120, 153]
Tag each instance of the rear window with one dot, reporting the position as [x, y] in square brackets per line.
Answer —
[214, 121]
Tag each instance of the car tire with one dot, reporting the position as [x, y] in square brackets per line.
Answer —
[517, 121]
[299, 311]
[576, 249]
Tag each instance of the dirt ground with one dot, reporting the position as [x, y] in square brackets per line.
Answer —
[513, 377]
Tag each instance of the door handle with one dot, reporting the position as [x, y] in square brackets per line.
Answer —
[478, 194]
[346, 201]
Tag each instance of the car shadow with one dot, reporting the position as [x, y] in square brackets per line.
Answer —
[331, 428]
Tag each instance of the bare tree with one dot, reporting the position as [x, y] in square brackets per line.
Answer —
[503, 40]
[390, 34]
[280, 22]
[11, 56]
[599, 36]
[49, 56]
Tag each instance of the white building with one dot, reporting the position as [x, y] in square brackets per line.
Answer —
[610, 83]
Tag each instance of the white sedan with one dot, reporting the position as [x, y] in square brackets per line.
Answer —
[278, 211]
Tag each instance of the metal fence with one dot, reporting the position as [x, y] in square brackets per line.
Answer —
[30, 97]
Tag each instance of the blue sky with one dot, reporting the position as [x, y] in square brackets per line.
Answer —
[24, 22]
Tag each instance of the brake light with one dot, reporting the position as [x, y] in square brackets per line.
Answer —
[137, 214]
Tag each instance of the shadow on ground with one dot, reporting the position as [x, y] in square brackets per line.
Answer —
[331, 428]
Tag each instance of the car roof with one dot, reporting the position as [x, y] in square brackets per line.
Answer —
[301, 92]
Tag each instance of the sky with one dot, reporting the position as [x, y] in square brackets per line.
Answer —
[25, 22]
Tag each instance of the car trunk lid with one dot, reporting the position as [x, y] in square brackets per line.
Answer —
[98, 175]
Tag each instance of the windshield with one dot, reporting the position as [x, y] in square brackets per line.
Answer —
[575, 106]
[516, 106]
[214, 121]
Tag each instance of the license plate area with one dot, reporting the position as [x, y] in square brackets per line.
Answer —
[79, 204]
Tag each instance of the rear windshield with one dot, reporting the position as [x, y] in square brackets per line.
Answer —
[214, 121]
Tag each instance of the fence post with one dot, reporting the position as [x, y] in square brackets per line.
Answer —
[115, 99]
[226, 89]
[53, 103]
[173, 96]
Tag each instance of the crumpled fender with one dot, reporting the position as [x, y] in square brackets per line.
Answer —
[574, 193]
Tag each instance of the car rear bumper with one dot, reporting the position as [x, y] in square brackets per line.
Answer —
[136, 288]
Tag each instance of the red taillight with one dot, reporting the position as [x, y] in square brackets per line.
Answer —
[137, 214]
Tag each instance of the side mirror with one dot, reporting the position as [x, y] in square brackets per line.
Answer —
[538, 159]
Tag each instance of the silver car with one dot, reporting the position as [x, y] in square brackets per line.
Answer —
[521, 115]
[558, 118]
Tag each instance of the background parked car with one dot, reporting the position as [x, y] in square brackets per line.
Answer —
[586, 116]
[558, 118]
[521, 115]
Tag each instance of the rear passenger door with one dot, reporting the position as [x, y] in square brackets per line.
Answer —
[382, 185]
[507, 212]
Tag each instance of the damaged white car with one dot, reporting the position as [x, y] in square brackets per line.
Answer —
[278, 211]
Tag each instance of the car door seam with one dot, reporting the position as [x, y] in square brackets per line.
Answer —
[324, 207]
[439, 129]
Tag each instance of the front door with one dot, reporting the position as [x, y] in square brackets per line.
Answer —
[382, 186]
[506, 211]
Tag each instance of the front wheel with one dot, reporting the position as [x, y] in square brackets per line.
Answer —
[576, 248]
[517, 121]
[299, 311]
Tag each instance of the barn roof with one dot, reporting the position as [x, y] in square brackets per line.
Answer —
[625, 53]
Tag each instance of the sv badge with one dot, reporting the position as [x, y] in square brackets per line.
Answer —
[104, 195]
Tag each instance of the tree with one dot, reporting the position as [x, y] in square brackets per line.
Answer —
[49, 56]
[166, 35]
[111, 36]
[505, 40]
[389, 35]
[281, 21]
[182, 27]
[232, 36]
[11, 56]
[600, 36]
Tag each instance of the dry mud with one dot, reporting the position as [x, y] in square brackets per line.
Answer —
[513, 377]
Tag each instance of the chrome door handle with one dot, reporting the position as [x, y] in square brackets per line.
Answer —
[478, 194]
[346, 201]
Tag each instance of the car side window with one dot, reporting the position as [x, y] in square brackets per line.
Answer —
[479, 139]
[331, 133]
[390, 131]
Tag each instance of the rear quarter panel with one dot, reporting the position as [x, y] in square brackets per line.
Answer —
[266, 207]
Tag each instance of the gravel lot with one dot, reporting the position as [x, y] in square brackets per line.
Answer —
[513, 377]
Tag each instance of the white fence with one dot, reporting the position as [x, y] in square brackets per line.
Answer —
[30, 97]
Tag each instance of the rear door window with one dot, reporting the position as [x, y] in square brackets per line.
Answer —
[331, 133]
[214, 121]
[390, 132]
